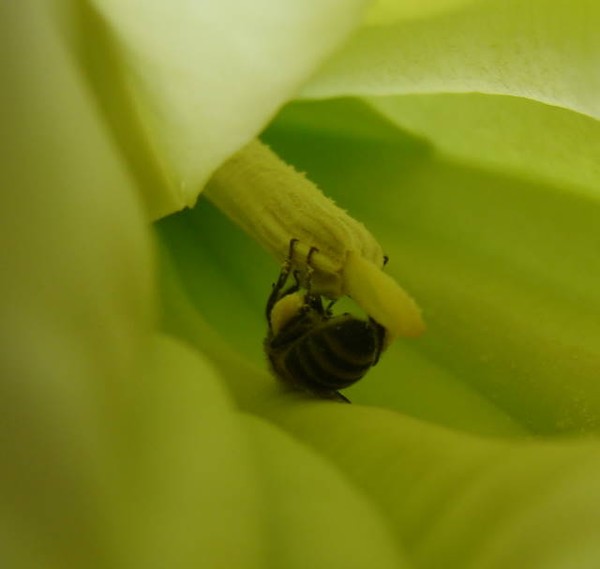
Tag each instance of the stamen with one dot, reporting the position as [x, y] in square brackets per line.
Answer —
[274, 204]
[382, 298]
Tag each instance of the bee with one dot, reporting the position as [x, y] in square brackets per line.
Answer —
[308, 347]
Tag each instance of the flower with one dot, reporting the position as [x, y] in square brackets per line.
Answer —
[140, 426]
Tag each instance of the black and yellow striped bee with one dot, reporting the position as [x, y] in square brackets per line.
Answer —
[308, 347]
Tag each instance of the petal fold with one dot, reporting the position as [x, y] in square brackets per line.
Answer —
[459, 501]
[205, 77]
[546, 50]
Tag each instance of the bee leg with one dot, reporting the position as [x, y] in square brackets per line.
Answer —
[297, 279]
[313, 301]
[385, 260]
[341, 398]
[331, 395]
[283, 277]
[292, 288]
[328, 308]
[309, 269]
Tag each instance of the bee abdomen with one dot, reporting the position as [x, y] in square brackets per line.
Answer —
[335, 356]
[350, 342]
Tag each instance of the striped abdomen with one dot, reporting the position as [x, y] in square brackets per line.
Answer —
[332, 355]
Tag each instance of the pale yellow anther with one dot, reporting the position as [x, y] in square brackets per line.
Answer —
[382, 298]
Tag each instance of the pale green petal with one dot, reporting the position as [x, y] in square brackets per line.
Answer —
[541, 142]
[225, 331]
[192, 495]
[457, 501]
[208, 487]
[385, 12]
[75, 301]
[120, 451]
[226, 276]
[313, 516]
[546, 50]
[205, 77]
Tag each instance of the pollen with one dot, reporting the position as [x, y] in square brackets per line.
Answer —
[284, 310]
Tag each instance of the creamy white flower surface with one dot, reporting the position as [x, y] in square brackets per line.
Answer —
[139, 426]
[206, 76]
